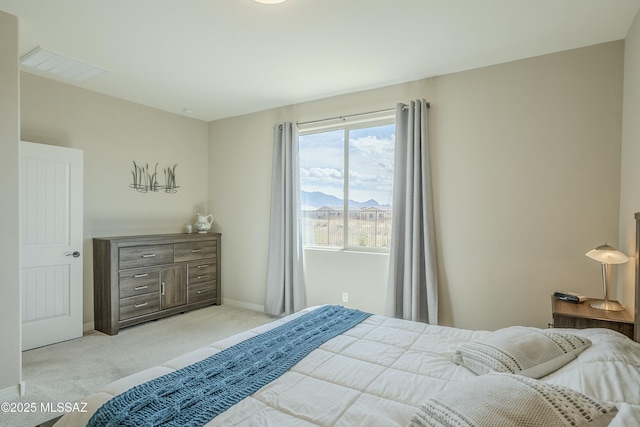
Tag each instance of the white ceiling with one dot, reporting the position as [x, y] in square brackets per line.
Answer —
[222, 58]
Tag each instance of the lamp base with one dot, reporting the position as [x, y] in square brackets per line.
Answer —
[607, 305]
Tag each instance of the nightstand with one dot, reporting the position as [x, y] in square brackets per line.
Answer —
[581, 316]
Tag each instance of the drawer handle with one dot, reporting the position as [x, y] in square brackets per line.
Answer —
[202, 292]
[203, 266]
[139, 288]
[203, 277]
[149, 255]
[162, 289]
[141, 305]
[193, 251]
[137, 276]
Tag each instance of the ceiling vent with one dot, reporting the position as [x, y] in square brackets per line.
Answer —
[60, 65]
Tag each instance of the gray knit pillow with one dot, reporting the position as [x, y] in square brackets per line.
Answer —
[519, 350]
[506, 400]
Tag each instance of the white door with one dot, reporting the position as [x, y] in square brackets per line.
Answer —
[50, 243]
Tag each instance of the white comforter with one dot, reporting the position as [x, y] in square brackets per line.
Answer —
[380, 371]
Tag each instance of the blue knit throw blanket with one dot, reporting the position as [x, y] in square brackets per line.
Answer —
[194, 395]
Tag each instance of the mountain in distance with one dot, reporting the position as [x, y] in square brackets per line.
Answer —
[318, 199]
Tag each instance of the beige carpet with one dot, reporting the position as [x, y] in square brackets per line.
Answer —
[68, 371]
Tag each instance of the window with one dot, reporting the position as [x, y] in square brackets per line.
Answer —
[347, 210]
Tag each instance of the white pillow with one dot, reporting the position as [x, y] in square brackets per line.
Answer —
[520, 350]
[506, 400]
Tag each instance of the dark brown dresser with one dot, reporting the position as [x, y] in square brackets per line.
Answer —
[142, 278]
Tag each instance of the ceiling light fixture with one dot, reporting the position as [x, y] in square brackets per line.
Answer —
[270, 1]
[60, 65]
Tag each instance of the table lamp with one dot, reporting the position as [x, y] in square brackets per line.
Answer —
[607, 255]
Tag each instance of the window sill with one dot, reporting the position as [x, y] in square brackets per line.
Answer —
[346, 250]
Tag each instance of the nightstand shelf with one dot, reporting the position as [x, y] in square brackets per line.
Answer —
[581, 316]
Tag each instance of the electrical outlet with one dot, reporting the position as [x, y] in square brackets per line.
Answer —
[345, 297]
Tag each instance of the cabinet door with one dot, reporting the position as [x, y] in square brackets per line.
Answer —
[173, 286]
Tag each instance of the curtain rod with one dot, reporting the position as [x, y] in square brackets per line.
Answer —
[387, 110]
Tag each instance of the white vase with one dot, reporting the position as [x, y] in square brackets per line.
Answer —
[203, 224]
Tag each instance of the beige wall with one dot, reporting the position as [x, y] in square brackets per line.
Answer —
[10, 357]
[526, 161]
[112, 133]
[526, 156]
[630, 172]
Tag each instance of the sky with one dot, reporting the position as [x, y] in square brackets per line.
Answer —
[370, 157]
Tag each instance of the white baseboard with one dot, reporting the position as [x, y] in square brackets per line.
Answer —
[12, 392]
[89, 326]
[242, 304]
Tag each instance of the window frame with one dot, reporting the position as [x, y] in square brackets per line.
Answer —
[347, 124]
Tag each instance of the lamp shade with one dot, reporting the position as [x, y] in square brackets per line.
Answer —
[607, 254]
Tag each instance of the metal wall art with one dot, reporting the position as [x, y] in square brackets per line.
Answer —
[145, 180]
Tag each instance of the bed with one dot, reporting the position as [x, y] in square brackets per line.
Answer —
[382, 370]
[392, 372]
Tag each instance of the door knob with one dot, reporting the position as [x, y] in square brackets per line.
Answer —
[74, 254]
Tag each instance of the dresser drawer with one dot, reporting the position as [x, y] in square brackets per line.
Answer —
[145, 256]
[196, 250]
[201, 271]
[139, 305]
[201, 292]
[138, 282]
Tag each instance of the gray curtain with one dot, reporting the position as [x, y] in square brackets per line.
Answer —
[413, 280]
[285, 289]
